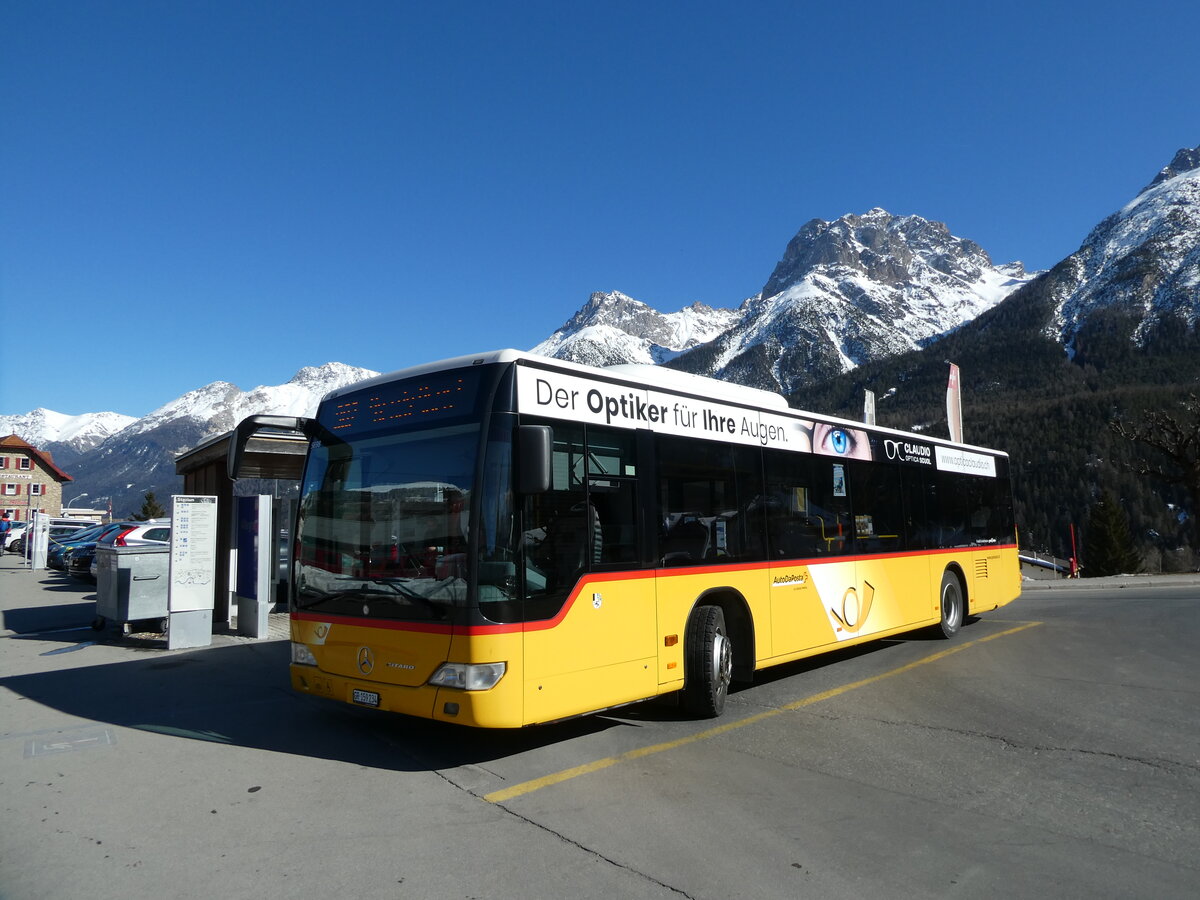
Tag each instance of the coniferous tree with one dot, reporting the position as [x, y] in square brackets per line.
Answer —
[151, 509]
[1171, 441]
[1107, 544]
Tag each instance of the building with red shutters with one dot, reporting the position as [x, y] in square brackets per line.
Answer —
[29, 480]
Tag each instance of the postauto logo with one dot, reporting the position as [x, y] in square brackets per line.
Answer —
[906, 451]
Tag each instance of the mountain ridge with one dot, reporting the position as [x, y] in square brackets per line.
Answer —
[121, 466]
[1049, 367]
[874, 301]
[844, 292]
[599, 333]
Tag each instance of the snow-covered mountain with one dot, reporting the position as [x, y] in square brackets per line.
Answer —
[218, 407]
[141, 456]
[854, 290]
[613, 328]
[845, 292]
[66, 437]
[1142, 261]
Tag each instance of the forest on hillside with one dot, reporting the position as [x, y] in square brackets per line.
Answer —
[1051, 411]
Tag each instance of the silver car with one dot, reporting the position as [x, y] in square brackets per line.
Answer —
[154, 531]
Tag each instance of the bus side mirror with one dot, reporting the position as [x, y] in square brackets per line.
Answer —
[533, 459]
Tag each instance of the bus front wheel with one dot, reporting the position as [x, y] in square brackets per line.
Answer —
[708, 663]
[952, 605]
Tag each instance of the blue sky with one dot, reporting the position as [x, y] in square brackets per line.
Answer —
[204, 191]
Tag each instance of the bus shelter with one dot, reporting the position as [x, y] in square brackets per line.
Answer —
[270, 468]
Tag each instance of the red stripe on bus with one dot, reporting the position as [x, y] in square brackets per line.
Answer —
[601, 577]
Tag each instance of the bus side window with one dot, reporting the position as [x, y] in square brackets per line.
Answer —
[957, 496]
[709, 502]
[615, 502]
[878, 507]
[807, 506]
[980, 512]
[612, 492]
[558, 525]
[919, 503]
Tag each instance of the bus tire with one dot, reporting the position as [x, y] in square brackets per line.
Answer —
[952, 605]
[708, 663]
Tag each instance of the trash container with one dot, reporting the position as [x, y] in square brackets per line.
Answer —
[131, 584]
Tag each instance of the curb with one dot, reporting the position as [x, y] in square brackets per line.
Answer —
[1111, 582]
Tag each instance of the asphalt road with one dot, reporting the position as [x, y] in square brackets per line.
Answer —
[1051, 749]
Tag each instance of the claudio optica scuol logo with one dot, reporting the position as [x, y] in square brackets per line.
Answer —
[854, 610]
[905, 451]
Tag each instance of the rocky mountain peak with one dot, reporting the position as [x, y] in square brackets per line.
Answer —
[1185, 161]
[846, 291]
[614, 328]
[884, 248]
[1142, 262]
[855, 289]
[333, 374]
[616, 309]
[68, 436]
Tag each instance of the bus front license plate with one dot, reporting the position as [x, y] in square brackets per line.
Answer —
[366, 698]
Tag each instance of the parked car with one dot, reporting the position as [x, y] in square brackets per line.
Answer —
[57, 533]
[130, 534]
[70, 522]
[79, 561]
[14, 532]
[80, 551]
[61, 543]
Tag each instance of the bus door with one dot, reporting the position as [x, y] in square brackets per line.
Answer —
[816, 597]
[710, 539]
[892, 582]
[589, 633]
[975, 516]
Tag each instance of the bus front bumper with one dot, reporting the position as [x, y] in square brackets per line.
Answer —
[499, 707]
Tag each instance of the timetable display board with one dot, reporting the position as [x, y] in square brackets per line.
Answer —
[193, 553]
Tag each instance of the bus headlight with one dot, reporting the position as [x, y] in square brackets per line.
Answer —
[468, 676]
[302, 656]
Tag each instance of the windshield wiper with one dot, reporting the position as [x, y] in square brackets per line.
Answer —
[365, 592]
[409, 594]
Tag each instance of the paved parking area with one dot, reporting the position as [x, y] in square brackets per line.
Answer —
[1050, 749]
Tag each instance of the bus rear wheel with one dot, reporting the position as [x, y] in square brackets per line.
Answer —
[952, 605]
[708, 663]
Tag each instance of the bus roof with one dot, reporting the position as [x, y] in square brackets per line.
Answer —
[649, 376]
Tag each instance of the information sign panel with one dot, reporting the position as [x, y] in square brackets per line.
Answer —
[193, 553]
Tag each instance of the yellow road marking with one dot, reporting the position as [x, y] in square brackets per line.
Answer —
[528, 787]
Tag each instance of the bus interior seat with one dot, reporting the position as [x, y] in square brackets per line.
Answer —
[794, 537]
[687, 540]
[573, 540]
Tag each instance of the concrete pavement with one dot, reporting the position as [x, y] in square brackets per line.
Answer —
[128, 770]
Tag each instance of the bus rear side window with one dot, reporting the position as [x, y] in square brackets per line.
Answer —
[807, 506]
[710, 506]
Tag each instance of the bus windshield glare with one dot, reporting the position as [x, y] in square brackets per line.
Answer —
[383, 520]
[383, 524]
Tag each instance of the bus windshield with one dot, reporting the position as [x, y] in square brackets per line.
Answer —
[383, 524]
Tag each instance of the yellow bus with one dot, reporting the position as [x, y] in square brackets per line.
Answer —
[504, 540]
